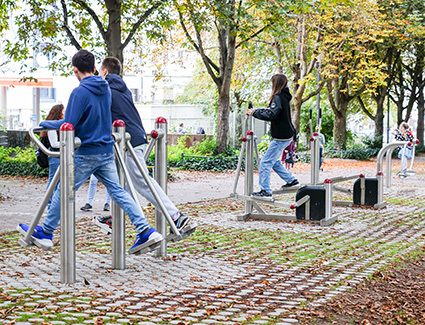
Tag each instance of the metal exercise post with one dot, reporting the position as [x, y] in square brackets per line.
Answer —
[388, 150]
[67, 206]
[249, 170]
[118, 218]
[161, 176]
[314, 158]
[329, 219]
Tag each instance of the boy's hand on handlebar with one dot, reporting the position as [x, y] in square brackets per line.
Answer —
[249, 111]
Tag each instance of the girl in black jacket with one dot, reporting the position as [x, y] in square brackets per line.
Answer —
[282, 131]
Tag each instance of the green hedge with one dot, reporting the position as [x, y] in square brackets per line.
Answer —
[20, 162]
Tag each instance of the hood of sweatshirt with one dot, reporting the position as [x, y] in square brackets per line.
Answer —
[285, 92]
[95, 84]
[116, 82]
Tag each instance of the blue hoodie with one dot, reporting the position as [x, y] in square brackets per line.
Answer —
[123, 109]
[89, 111]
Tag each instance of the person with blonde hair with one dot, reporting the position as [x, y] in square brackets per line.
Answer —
[282, 131]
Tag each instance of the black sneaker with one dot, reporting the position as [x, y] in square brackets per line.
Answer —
[262, 193]
[293, 183]
[104, 223]
[106, 207]
[87, 207]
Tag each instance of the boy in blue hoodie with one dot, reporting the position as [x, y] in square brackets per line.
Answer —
[123, 108]
[89, 111]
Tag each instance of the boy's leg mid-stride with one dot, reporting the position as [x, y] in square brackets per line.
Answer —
[103, 166]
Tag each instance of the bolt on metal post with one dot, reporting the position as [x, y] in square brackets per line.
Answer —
[67, 203]
[161, 176]
[118, 220]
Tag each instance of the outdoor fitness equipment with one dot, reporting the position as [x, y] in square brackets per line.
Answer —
[366, 191]
[409, 171]
[66, 172]
[313, 203]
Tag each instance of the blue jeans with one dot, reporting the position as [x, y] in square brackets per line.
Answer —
[53, 167]
[92, 191]
[271, 160]
[104, 168]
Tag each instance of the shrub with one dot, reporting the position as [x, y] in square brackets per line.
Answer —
[358, 153]
[211, 163]
[20, 162]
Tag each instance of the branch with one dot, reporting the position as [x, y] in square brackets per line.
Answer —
[66, 27]
[94, 16]
[364, 109]
[253, 35]
[208, 63]
[314, 93]
[138, 23]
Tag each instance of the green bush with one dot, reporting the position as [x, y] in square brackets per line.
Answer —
[211, 163]
[20, 162]
[359, 153]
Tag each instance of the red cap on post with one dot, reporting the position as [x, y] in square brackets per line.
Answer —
[311, 139]
[67, 127]
[292, 206]
[380, 174]
[315, 134]
[161, 120]
[328, 181]
[118, 124]
[417, 141]
[243, 139]
[361, 176]
[154, 134]
[249, 132]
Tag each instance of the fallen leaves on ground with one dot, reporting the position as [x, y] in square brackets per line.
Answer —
[393, 296]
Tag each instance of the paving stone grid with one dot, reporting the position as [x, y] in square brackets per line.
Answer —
[194, 285]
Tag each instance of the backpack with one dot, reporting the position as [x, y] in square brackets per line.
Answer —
[42, 158]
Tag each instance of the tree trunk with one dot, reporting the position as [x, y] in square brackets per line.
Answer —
[113, 31]
[223, 109]
[296, 104]
[339, 102]
[379, 118]
[340, 127]
[421, 112]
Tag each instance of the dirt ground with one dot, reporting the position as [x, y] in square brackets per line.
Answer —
[394, 296]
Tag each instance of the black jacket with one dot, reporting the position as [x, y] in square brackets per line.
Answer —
[279, 114]
[123, 108]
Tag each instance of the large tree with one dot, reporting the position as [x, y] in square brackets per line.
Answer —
[350, 33]
[408, 85]
[214, 28]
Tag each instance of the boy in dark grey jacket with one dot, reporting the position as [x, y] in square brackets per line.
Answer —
[123, 108]
[282, 131]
